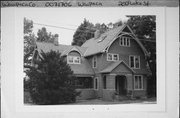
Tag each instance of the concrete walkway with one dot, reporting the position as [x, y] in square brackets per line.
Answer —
[101, 102]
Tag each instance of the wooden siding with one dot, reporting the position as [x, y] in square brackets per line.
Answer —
[125, 52]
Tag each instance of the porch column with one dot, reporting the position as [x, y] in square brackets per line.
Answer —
[108, 93]
[129, 81]
[110, 82]
[130, 84]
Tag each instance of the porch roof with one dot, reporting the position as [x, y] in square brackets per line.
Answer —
[83, 69]
[113, 65]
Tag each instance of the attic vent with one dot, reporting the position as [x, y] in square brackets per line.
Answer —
[102, 38]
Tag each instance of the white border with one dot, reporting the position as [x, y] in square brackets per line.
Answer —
[12, 98]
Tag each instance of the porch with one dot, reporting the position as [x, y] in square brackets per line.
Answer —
[87, 86]
[119, 82]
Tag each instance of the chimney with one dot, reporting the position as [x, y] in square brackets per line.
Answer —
[97, 34]
[56, 39]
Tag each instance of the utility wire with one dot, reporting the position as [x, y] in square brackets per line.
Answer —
[83, 30]
[92, 32]
[55, 26]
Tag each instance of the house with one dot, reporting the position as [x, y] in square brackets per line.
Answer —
[112, 63]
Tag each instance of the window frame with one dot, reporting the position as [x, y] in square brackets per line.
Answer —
[73, 58]
[134, 61]
[124, 41]
[112, 54]
[142, 82]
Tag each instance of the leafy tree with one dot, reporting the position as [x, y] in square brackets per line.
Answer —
[50, 82]
[45, 36]
[86, 31]
[29, 42]
[145, 28]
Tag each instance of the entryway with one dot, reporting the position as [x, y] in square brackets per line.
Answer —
[120, 84]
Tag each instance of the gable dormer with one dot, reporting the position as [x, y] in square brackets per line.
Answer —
[73, 56]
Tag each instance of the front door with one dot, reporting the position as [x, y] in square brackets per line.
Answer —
[120, 85]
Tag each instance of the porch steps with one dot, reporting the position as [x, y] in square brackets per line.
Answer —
[119, 98]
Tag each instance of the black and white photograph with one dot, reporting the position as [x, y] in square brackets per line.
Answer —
[110, 62]
[89, 57]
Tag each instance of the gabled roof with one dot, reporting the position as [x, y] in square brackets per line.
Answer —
[113, 65]
[79, 69]
[63, 49]
[95, 46]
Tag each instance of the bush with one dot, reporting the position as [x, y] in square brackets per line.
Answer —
[51, 82]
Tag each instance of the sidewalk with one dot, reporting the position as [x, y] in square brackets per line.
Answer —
[101, 102]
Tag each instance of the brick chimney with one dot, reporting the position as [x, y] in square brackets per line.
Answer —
[56, 42]
[97, 34]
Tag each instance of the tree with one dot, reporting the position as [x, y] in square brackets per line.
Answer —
[51, 82]
[45, 36]
[145, 28]
[29, 42]
[86, 31]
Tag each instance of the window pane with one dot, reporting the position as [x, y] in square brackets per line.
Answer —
[120, 41]
[104, 82]
[109, 56]
[131, 61]
[76, 60]
[70, 59]
[128, 42]
[136, 82]
[115, 57]
[124, 39]
[137, 62]
[96, 83]
[140, 82]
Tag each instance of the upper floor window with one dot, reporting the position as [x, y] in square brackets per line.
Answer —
[124, 41]
[74, 60]
[112, 57]
[134, 62]
[94, 62]
[138, 82]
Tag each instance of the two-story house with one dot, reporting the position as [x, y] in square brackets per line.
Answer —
[110, 63]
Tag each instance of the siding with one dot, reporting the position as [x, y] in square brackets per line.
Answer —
[124, 52]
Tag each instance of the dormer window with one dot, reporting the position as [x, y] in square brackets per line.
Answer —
[124, 41]
[73, 60]
[112, 57]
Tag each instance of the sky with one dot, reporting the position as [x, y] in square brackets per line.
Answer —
[71, 18]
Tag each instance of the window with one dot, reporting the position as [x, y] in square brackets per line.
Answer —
[124, 41]
[94, 62]
[74, 60]
[96, 83]
[84, 83]
[138, 82]
[134, 62]
[104, 82]
[112, 57]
